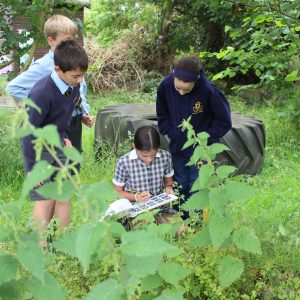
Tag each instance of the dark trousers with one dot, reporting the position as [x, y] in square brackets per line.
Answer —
[74, 133]
[185, 176]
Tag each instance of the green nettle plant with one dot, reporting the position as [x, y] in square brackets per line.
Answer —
[225, 228]
[136, 264]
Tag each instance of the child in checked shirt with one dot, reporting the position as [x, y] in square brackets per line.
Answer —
[145, 171]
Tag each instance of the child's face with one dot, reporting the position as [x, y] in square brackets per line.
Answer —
[73, 77]
[60, 37]
[146, 156]
[183, 87]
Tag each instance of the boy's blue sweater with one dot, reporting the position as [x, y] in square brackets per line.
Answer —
[56, 109]
[208, 107]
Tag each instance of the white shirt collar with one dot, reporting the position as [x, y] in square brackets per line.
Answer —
[59, 83]
[133, 154]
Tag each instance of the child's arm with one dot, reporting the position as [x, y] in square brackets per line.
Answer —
[20, 86]
[168, 182]
[134, 197]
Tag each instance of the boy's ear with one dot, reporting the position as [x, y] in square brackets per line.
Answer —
[57, 69]
[50, 41]
[133, 146]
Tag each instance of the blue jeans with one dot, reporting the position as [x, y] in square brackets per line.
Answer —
[185, 176]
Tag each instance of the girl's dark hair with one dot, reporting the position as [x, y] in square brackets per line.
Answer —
[189, 63]
[69, 55]
[146, 138]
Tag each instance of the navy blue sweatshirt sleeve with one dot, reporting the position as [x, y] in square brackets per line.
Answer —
[163, 115]
[221, 121]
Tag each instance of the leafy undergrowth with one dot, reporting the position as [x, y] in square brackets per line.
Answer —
[273, 213]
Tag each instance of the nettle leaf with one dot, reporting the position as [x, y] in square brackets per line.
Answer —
[188, 143]
[245, 239]
[197, 155]
[239, 191]
[9, 266]
[41, 171]
[219, 229]
[143, 266]
[151, 282]
[201, 238]
[106, 290]
[170, 294]
[216, 148]
[218, 199]
[172, 272]
[224, 171]
[50, 290]
[203, 137]
[229, 269]
[205, 175]
[136, 243]
[57, 191]
[22, 132]
[6, 233]
[87, 241]
[50, 134]
[30, 256]
[11, 290]
[73, 154]
[32, 104]
[67, 244]
[197, 201]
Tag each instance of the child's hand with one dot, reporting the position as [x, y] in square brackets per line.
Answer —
[169, 190]
[67, 143]
[87, 120]
[143, 196]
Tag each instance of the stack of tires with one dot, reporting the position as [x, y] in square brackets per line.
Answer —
[246, 140]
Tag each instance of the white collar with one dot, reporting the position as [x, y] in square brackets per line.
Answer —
[133, 154]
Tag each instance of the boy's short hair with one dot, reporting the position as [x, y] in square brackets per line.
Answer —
[189, 64]
[59, 24]
[69, 55]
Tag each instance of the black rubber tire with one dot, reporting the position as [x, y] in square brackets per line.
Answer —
[246, 139]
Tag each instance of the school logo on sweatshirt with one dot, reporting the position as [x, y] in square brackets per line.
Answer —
[197, 108]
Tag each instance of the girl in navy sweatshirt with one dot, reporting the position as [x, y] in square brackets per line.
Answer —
[183, 93]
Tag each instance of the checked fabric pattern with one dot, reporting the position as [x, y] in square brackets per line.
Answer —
[136, 176]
